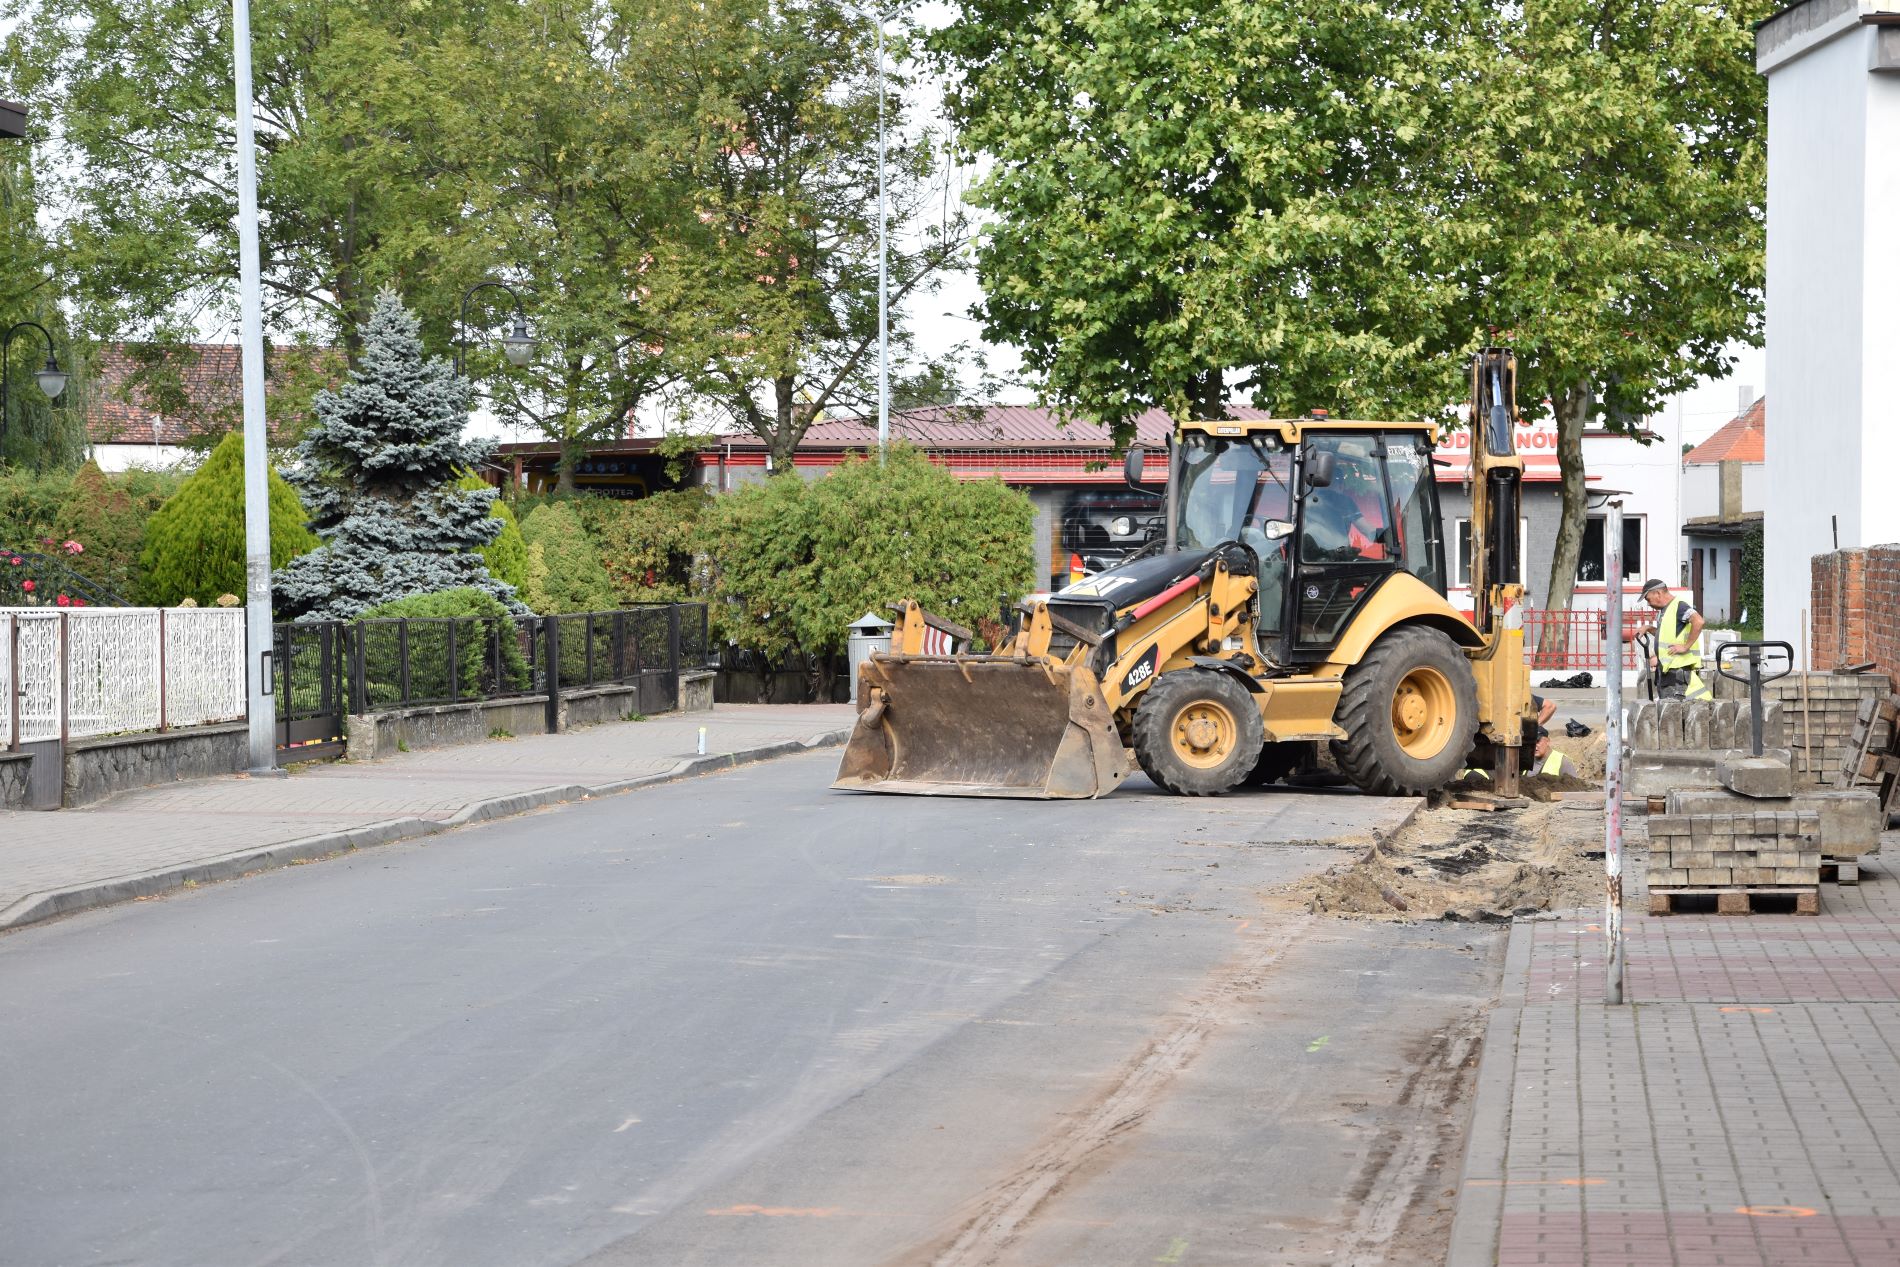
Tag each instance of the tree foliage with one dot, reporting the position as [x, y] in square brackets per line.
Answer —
[775, 294]
[1193, 198]
[506, 557]
[194, 545]
[564, 571]
[647, 546]
[377, 470]
[796, 562]
[1605, 174]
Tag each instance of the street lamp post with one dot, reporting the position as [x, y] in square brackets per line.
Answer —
[51, 378]
[260, 706]
[517, 345]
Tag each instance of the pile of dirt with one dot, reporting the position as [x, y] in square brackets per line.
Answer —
[1469, 865]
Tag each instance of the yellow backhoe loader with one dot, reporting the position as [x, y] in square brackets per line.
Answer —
[1299, 597]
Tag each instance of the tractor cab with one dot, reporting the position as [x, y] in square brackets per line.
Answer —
[1328, 509]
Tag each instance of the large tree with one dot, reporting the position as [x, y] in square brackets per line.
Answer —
[1605, 172]
[378, 471]
[573, 170]
[351, 179]
[35, 433]
[775, 294]
[1194, 198]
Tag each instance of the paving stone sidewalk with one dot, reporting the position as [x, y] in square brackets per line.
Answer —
[1742, 1109]
[147, 840]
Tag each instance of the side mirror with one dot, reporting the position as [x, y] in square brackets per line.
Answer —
[1319, 468]
[1132, 464]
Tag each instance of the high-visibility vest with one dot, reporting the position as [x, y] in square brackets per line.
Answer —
[1553, 764]
[1673, 628]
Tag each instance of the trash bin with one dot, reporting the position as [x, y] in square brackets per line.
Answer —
[869, 632]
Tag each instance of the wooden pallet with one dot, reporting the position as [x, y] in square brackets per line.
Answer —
[1864, 760]
[1737, 901]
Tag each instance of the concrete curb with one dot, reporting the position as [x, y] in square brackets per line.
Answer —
[1476, 1226]
[52, 903]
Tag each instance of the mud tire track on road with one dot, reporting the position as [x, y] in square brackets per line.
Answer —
[1005, 1209]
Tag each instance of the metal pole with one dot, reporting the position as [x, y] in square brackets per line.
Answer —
[1613, 757]
[261, 706]
[883, 278]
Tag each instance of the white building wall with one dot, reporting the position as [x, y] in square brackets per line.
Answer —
[1648, 474]
[1702, 489]
[1833, 296]
[123, 457]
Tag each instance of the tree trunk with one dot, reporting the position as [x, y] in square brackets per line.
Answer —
[787, 430]
[569, 459]
[1573, 412]
[1208, 395]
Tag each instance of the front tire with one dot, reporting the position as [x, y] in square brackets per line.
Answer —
[1410, 713]
[1197, 732]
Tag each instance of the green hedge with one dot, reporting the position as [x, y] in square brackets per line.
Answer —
[475, 615]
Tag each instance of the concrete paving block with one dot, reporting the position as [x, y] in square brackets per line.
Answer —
[1756, 776]
[1723, 715]
[1710, 875]
[1847, 822]
[1774, 727]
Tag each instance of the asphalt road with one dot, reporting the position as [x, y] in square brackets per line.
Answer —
[746, 1020]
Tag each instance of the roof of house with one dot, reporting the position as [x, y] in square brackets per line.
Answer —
[208, 382]
[1741, 439]
[980, 427]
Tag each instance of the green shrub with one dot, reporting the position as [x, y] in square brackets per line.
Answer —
[1750, 587]
[99, 516]
[477, 618]
[646, 546]
[194, 545]
[506, 557]
[794, 563]
[29, 505]
[564, 572]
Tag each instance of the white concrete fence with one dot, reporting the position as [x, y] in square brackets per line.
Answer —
[74, 672]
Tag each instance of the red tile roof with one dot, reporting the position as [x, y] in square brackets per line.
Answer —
[210, 381]
[1741, 439]
[978, 427]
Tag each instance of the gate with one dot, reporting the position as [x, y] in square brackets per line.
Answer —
[311, 659]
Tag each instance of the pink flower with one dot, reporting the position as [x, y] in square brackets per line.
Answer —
[16, 560]
[27, 586]
[63, 601]
[73, 547]
[79, 602]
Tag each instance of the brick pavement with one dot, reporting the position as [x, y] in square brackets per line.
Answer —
[201, 820]
[1739, 1110]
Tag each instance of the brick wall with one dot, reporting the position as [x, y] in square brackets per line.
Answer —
[1856, 609]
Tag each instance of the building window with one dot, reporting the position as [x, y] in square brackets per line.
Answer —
[1714, 554]
[1462, 576]
[1590, 560]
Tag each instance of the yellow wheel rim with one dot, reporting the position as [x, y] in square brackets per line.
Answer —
[1424, 711]
[1204, 734]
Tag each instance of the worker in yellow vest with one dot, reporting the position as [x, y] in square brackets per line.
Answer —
[1677, 661]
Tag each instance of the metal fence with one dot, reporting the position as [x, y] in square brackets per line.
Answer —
[328, 669]
[1555, 640]
[74, 673]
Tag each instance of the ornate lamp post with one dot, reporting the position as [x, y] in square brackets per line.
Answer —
[517, 345]
[51, 378]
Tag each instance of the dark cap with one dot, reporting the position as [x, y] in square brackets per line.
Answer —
[1652, 584]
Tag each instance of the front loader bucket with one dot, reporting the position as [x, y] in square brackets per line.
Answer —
[982, 726]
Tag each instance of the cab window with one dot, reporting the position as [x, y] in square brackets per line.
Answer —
[1349, 520]
[1408, 472]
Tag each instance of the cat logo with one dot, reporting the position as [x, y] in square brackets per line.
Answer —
[1143, 670]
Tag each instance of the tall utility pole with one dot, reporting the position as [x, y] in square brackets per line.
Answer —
[261, 707]
[883, 276]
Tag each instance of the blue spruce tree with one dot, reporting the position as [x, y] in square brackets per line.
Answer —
[377, 471]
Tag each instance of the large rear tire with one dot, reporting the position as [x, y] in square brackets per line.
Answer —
[1410, 713]
[1197, 732]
